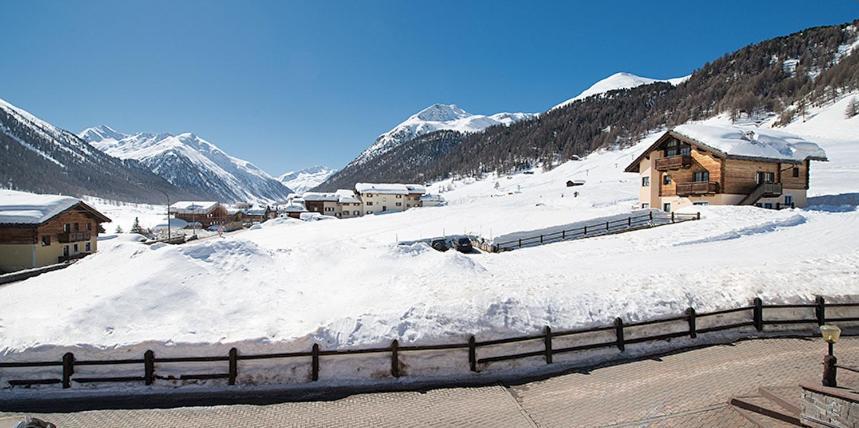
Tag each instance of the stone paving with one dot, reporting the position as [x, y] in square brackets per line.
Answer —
[686, 389]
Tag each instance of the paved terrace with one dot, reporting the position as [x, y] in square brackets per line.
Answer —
[686, 389]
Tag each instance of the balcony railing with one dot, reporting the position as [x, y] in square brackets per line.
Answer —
[673, 162]
[67, 237]
[697, 188]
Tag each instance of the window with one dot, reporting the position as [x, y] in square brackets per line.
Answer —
[369, 212]
[89, 226]
[354, 212]
[67, 227]
[795, 172]
[788, 200]
[88, 247]
[65, 250]
[764, 177]
[399, 196]
[384, 208]
[369, 195]
[369, 203]
[645, 181]
[76, 249]
[768, 205]
[645, 205]
[686, 150]
[701, 203]
[701, 176]
[77, 227]
[399, 204]
[46, 239]
[666, 207]
[666, 179]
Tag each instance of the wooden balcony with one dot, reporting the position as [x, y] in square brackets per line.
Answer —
[697, 188]
[673, 163]
[67, 237]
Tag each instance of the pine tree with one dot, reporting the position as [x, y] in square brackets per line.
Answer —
[119, 229]
[135, 228]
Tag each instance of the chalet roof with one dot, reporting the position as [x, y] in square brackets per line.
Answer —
[294, 207]
[383, 188]
[320, 196]
[29, 208]
[193, 207]
[728, 141]
[346, 196]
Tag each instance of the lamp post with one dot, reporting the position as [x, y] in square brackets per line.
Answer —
[168, 213]
[830, 334]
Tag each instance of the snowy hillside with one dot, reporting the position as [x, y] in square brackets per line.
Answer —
[190, 162]
[434, 118]
[618, 81]
[346, 284]
[43, 158]
[306, 179]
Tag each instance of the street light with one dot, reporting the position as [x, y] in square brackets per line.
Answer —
[830, 334]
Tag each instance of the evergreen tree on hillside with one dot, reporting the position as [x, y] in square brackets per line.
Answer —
[135, 228]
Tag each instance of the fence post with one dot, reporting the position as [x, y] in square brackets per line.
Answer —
[629, 221]
[148, 367]
[68, 369]
[820, 310]
[606, 226]
[563, 234]
[548, 342]
[693, 331]
[672, 216]
[234, 366]
[618, 329]
[759, 314]
[314, 363]
[698, 215]
[395, 360]
[541, 239]
[650, 214]
[472, 353]
[586, 229]
[520, 242]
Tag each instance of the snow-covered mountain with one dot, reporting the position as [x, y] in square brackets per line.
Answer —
[435, 118]
[40, 157]
[618, 81]
[306, 179]
[190, 162]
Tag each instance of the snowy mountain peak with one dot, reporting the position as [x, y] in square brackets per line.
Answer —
[190, 162]
[441, 113]
[306, 179]
[621, 80]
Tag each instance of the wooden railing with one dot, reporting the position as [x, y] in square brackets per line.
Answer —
[673, 162]
[697, 188]
[622, 334]
[66, 237]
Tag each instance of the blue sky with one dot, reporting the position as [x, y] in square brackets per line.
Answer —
[287, 85]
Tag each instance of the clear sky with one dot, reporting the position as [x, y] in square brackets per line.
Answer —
[288, 85]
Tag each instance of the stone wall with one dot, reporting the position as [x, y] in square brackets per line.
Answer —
[829, 407]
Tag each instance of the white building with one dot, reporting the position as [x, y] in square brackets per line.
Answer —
[380, 198]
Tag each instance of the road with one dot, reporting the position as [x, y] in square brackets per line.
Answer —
[688, 389]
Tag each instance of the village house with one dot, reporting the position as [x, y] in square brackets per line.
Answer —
[432, 200]
[725, 165]
[348, 204]
[41, 230]
[205, 213]
[380, 198]
[293, 208]
[322, 203]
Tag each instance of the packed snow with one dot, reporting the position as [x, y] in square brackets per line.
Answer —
[346, 283]
[28, 208]
[617, 81]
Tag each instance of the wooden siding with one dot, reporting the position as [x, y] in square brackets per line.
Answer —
[791, 182]
[18, 235]
[740, 175]
[702, 161]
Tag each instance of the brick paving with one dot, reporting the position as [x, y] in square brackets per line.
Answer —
[686, 389]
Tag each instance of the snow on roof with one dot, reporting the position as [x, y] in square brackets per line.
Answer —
[319, 196]
[29, 208]
[752, 142]
[387, 188]
[193, 207]
[416, 188]
[431, 197]
[294, 207]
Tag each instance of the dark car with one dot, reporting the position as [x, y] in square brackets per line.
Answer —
[463, 245]
[439, 245]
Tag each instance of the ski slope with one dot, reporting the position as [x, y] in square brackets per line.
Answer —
[345, 283]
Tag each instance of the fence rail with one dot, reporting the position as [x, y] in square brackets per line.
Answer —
[595, 229]
[149, 362]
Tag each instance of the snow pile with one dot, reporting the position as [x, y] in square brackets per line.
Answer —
[28, 208]
[618, 81]
[752, 142]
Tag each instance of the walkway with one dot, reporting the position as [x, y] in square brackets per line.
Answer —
[687, 389]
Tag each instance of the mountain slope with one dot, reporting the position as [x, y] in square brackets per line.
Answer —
[617, 81]
[437, 117]
[780, 77]
[305, 179]
[42, 158]
[191, 163]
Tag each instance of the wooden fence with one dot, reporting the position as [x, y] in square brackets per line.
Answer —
[149, 362]
[595, 229]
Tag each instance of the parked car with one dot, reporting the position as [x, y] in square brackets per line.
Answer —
[439, 245]
[463, 245]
